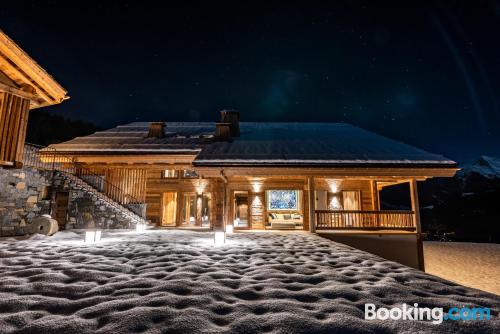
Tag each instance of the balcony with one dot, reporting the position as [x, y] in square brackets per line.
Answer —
[365, 220]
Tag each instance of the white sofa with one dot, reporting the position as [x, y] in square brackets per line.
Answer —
[285, 221]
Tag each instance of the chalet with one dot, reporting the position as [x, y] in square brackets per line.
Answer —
[315, 177]
[318, 177]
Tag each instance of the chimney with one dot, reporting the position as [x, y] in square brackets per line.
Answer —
[233, 118]
[156, 130]
[222, 131]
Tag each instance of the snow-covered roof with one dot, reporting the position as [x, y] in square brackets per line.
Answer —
[180, 138]
[312, 144]
[297, 144]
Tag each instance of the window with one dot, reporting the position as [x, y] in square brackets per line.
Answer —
[206, 203]
[282, 200]
[189, 174]
[170, 174]
[189, 209]
[196, 209]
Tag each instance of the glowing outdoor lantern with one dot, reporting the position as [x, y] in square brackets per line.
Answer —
[229, 229]
[140, 228]
[219, 238]
[92, 236]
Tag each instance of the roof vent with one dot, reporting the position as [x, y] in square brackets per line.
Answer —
[222, 131]
[233, 118]
[157, 130]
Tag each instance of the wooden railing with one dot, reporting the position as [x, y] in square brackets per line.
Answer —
[364, 220]
[47, 158]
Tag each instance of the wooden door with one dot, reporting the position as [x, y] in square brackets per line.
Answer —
[169, 208]
[61, 211]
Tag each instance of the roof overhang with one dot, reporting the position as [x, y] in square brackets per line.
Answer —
[420, 173]
[31, 80]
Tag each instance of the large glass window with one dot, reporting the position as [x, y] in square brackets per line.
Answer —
[196, 209]
[206, 203]
[287, 200]
[189, 209]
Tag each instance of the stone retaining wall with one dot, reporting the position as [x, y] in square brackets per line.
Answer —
[28, 193]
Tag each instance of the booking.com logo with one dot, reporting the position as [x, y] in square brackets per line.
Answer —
[436, 314]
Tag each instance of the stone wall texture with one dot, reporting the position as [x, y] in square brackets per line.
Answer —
[23, 196]
[28, 193]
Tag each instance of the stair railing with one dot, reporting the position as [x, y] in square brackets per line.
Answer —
[48, 158]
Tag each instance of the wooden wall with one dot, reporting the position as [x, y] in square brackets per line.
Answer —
[130, 184]
[222, 193]
[14, 112]
[124, 185]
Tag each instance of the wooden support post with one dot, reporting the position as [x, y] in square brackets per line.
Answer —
[225, 207]
[312, 204]
[416, 221]
[375, 200]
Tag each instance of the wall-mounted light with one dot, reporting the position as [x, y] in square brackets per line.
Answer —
[92, 236]
[219, 238]
[256, 201]
[257, 185]
[200, 186]
[334, 203]
[334, 185]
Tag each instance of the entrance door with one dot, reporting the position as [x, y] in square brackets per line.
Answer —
[240, 206]
[321, 200]
[61, 212]
[169, 208]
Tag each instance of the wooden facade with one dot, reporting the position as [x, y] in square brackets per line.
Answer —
[24, 85]
[212, 198]
[13, 123]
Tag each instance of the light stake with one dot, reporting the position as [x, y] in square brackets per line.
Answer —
[219, 238]
[92, 236]
[140, 228]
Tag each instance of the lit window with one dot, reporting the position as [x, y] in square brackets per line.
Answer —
[189, 174]
[170, 174]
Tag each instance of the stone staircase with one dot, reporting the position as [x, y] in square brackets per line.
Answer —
[79, 184]
[83, 179]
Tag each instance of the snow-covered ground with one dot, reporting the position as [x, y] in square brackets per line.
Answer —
[471, 264]
[179, 282]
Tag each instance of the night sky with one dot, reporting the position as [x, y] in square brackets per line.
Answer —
[426, 74]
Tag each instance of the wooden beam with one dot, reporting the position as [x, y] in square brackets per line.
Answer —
[16, 91]
[331, 172]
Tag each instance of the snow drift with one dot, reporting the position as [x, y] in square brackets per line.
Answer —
[178, 282]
